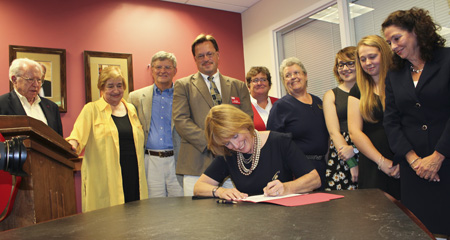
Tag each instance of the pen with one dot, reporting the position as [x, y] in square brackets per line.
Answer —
[223, 201]
[275, 177]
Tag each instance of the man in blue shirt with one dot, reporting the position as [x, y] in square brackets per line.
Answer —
[154, 107]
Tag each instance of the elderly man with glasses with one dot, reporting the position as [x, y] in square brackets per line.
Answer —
[26, 77]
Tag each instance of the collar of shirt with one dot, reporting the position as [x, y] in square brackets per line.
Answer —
[255, 103]
[216, 79]
[32, 110]
[157, 90]
[263, 112]
[24, 100]
[103, 105]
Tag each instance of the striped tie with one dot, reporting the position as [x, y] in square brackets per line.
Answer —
[217, 99]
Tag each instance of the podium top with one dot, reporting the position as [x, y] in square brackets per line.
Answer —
[13, 125]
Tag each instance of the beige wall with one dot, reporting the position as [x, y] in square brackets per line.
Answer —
[258, 25]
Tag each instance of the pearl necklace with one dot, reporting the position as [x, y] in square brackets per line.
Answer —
[414, 70]
[254, 158]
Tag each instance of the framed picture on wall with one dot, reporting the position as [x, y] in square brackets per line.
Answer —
[54, 62]
[94, 62]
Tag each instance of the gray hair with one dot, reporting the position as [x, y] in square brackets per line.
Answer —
[17, 67]
[289, 62]
[162, 55]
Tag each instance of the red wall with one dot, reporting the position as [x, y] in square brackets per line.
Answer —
[139, 27]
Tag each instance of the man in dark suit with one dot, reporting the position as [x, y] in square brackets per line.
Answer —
[26, 76]
[193, 97]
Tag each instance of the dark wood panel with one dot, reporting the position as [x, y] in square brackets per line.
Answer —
[48, 192]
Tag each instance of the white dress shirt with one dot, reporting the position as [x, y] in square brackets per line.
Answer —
[32, 110]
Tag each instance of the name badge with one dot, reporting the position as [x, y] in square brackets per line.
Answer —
[235, 100]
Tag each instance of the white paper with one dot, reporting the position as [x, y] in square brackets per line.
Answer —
[262, 198]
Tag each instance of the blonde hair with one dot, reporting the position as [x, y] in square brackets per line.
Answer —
[222, 123]
[107, 73]
[366, 84]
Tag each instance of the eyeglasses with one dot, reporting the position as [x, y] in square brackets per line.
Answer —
[207, 55]
[341, 65]
[159, 68]
[31, 80]
[256, 80]
[292, 75]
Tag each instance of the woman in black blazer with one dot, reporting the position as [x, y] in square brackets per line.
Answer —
[417, 115]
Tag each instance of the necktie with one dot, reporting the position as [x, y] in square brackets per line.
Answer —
[217, 99]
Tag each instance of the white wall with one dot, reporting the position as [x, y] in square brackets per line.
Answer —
[258, 24]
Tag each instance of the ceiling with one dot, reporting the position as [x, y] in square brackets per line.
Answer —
[238, 6]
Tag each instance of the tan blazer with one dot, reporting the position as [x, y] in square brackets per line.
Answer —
[191, 103]
[142, 100]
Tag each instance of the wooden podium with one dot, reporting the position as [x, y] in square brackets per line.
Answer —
[48, 192]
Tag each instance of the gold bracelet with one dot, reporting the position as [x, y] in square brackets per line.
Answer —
[413, 161]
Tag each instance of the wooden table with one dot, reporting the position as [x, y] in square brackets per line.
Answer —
[361, 214]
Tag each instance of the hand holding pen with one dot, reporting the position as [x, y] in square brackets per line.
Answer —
[274, 187]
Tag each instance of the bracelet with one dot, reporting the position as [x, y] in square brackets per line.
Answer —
[352, 162]
[413, 161]
[380, 162]
[214, 192]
